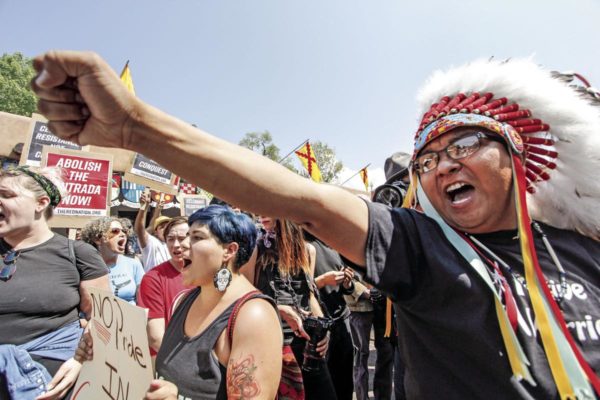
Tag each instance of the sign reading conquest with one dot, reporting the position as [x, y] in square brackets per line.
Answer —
[145, 167]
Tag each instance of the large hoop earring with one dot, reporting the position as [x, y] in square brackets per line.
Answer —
[222, 278]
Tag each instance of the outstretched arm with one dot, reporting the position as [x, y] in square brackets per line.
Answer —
[85, 102]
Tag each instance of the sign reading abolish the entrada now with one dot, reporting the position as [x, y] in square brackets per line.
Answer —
[88, 180]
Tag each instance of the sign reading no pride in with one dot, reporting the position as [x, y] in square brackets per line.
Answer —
[121, 368]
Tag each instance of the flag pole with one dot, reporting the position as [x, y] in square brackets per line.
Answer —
[290, 153]
[366, 166]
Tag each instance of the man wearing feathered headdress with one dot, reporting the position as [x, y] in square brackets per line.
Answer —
[490, 303]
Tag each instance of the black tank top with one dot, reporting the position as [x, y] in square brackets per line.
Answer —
[190, 363]
[290, 290]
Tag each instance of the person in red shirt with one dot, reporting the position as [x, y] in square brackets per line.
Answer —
[162, 286]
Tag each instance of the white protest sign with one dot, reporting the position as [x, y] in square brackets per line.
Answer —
[121, 368]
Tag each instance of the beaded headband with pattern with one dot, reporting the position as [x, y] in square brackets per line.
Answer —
[46, 184]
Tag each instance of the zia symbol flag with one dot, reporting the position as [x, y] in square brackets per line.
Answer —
[307, 157]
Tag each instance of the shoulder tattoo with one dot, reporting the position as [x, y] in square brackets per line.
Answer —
[241, 380]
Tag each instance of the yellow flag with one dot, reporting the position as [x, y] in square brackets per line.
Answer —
[126, 78]
[365, 178]
[307, 157]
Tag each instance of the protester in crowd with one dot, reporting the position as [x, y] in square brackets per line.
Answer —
[132, 249]
[197, 358]
[162, 286]
[108, 236]
[334, 280]
[152, 240]
[467, 273]
[44, 283]
[220, 242]
[362, 320]
[283, 268]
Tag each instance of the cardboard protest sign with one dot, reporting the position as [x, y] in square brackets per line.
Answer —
[149, 173]
[88, 180]
[189, 203]
[38, 136]
[121, 368]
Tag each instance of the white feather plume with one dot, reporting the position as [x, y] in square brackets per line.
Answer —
[571, 198]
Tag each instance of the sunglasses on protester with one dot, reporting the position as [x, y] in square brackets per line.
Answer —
[9, 265]
[117, 231]
[460, 148]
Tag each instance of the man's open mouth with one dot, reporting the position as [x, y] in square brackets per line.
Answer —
[459, 192]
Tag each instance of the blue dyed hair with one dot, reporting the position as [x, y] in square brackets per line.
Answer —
[228, 226]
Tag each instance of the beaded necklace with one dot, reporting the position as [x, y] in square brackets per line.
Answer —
[562, 275]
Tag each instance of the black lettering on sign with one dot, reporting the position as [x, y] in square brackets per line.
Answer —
[122, 390]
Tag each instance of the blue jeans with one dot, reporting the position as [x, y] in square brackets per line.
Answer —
[27, 379]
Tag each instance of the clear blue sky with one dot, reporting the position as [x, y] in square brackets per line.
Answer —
[345, 72]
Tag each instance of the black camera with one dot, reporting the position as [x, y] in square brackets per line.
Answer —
[391, 194]
[317, 328]
[396, 176]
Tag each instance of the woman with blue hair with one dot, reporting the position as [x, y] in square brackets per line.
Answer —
[198, 358]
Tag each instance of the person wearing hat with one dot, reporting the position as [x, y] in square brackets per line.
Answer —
[151, 240]
[493, 264]
[397, 177]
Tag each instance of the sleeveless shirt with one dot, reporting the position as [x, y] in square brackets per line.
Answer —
[190, 362]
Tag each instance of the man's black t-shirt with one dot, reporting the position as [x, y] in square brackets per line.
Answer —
[43, 293]
[448, 330]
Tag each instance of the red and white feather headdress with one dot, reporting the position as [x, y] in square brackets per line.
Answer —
[557, 121]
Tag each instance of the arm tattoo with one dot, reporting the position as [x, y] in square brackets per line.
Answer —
[241, 382]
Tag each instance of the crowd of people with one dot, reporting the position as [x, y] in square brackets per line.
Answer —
[484, 284]
[217, 256]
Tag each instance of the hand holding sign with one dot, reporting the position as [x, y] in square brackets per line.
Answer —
[121, 368]
[161, 390]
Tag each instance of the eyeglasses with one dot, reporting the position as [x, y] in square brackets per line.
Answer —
[116, 231]
[9, 266]
[460, 148]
